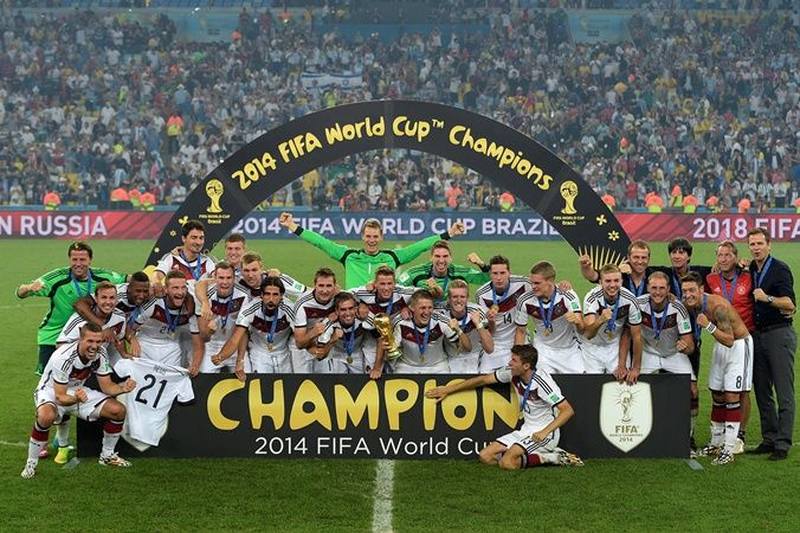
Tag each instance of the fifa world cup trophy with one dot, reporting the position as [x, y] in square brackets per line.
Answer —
[383, 325]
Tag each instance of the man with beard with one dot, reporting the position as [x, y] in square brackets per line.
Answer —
[190, 258]
[268, 322]
[731, 360]
[436, 274]
[162, 320]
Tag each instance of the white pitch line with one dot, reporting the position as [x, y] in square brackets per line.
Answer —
[382, 500]
[14, 444]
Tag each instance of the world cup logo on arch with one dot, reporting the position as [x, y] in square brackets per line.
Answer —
[214, 190]
[569, 192]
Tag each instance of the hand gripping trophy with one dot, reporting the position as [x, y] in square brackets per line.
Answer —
[383, 325]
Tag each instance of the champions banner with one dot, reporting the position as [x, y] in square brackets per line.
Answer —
[397, 226]
[512, 160]
[348, 416]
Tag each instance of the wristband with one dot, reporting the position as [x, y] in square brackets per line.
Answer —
[711, 328]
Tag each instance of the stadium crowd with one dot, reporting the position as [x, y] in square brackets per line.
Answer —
[691, 104]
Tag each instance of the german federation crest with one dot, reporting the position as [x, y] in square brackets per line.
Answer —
[626, 414]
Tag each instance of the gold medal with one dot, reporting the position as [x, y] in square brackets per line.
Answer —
[349, 360]
[610, 335]
[421, 358]
[546, 332]
[495, 308]
[270, 346]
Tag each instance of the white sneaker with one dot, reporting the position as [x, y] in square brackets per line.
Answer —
[113, 460]
[738, 447]
[30, 469]
[569, 459]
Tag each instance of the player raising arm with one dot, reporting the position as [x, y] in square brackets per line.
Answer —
[536, 442]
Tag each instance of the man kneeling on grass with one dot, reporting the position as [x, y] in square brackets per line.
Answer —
[536, 442]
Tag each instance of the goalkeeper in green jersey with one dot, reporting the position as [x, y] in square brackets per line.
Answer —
[436, 274]
[360, 264]
[63, 287]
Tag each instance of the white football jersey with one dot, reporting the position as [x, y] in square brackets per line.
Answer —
[541, 394]
[200, 268]
[563, 336]
[263, 339]
[424, 346]
[348, 348]
[628, 314]
[486, 296]
[308, 310]
[399, 300]
[159, 329]
[67, 368]
[148, 405]
[676, 323]
[72, 329]
[226, 310]
[468, 328]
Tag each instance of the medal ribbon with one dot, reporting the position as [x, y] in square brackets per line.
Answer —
[424, 344]
[658, 327]
[723, 285]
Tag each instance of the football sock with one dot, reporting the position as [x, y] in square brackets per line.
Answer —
[718, 416]
[111, 433]
[733, 419]
[38, 441]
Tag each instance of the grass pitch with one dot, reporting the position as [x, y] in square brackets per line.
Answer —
[337, 495]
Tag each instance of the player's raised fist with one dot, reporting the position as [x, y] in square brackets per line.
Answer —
[625, 267]
[81, 395]
[585, 261]
[457, 229]
[475, 259]
[572, 317]
[702, 319]
[287, 221]
[605, 314]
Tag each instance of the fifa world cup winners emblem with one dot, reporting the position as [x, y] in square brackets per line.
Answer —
[383, 325]
[569, 191]
[214, 190]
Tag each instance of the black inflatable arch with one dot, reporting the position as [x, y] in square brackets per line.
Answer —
[512, 160]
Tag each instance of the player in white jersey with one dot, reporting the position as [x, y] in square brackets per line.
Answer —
[162, 320]
[731, 363]
[422, 340]
[189, 258]
[557, 321]
[608, 310]
[498, 299]
[540, 398]
[268, 322]
[130, 298]
[311, 317]
[113, 325]
[60, 392]
[249, 281]
[667, 337]
[471, 319]
[344, 338]
[226, 303]
[383, 295]
[157, 388]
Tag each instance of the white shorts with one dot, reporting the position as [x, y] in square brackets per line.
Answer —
[269, 363]
[732, 368]
[561, 360]
[600, 359]
[88, 410]
[465, 363]
[678, 363]
[522, 437]
[302, 361]
[442, 367]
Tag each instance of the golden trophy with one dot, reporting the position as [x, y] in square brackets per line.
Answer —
[383, 325]
[569, 191]
[214, 190]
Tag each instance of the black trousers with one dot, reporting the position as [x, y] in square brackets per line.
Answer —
[773, 371]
